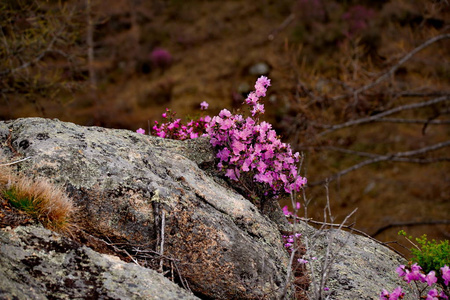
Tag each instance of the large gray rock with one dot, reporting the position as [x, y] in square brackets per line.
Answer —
[125, 184]
[36, 263]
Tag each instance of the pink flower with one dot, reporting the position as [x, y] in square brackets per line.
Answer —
[433, 295]
[238, 147]
[226, 124]
[262, 167]
[263, 80]
[141, 131]
[396, 293]
[204, 105]
[445, 270]
[415, 274]
[431, 278]
[252, 99]
[384, 295]
[264, 178]
[232, 174]
[260, 90]
[225, 113]
[286, 211]
[223, 154]
[258, 109]
[401, 270]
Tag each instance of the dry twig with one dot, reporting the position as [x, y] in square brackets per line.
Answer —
[385, 113]
[398, 157]
[394, 68]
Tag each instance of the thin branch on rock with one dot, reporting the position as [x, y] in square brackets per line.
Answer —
[15, 162]
[348, 227]
[163, 224]
[110, 244]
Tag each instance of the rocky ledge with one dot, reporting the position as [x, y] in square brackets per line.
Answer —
[156, 204]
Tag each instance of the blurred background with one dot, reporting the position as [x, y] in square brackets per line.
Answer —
[361, 88]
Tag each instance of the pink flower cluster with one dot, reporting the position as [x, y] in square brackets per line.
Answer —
[261, 86]
[246, 146]
[415, 273]
[289, 240]
[173, 128]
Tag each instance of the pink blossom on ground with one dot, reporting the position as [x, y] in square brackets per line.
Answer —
[140, 131]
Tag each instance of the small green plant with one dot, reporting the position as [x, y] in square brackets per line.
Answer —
[433, 255]
[430, 255]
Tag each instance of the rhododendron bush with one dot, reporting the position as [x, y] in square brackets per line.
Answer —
[248, 150]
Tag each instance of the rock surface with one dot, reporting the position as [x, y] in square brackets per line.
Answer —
[36, 263]
[361, 268]
[133, 189]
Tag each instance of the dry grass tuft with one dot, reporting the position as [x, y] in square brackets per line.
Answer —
[39, 198]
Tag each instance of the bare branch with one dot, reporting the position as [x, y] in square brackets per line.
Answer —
[347, 151]
[411, 223]
[399, 157]
[37, 58]
[396, 66]
[386, 113]
[414, 121]
[283, 25]
[424, 94]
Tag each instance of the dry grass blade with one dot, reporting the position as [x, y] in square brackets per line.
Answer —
[39, 198]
